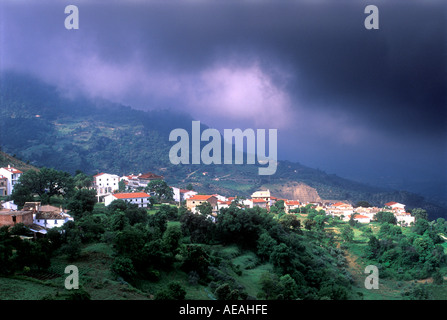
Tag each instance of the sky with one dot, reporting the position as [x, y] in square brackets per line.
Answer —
[364, 104]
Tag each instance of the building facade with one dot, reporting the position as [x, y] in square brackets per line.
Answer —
[12, 176]
[142, 199]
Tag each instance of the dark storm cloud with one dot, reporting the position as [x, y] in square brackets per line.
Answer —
[309, 69]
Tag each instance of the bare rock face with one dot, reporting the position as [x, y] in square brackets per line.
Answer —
[295, 191]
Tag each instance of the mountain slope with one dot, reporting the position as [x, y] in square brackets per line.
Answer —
[6, 159]
[41, 126]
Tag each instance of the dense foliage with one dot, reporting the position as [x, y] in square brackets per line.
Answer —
[417, 254]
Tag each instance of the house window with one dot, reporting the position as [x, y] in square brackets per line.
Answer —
[14, 219]
[55, 221]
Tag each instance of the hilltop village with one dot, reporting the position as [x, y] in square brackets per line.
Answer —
[130, 188]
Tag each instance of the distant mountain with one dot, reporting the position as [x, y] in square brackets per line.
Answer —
[45, 128]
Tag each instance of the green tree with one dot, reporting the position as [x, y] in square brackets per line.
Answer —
[172, 237]
[347, 233]
[290, 222]
[364, 204]
[47, 182]
[162, 190]
[21, 194]
[265, 246]
[224, 292]
[82, 180]
[82, 201]
[174, 291]
[205, 208]
[289, 288]
[123, 267]
[121, 186]
[419, 213]
[385, 217]
[270, 285]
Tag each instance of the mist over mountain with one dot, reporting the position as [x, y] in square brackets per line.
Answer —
[44, 127]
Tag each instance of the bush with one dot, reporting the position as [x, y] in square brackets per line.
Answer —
[123, 267]
[174, 291]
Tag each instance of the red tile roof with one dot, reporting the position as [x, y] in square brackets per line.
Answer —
[131, 195]
[388, 204]
[292, 203]
[200, 197]
[359, 216]
[149, 175]
[12, 170]
[99, 174]
[258, 200]
[339, 204]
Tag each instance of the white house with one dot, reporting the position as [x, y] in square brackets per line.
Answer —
[182, 194]
[51, 219]
[396, 207]
[139, 198]
[290, 205]
[340, 208]
[404, 219]
[9, 205]
[262, 194]
[105, 183]
[48, 216]
[359, 218]
[12, 176]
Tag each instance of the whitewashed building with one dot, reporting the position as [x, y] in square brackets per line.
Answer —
[105, 183]
[48, 216]
[139, 198]
[12, 176]
[182, 194]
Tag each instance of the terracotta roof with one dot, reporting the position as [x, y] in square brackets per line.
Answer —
[339, 204]
[359, 216]
[200, 197]
[49, 208]
[99, 174]
[390, 203]
[149, 175]
[258, 200]
[51, 215]
[293, 203]
[12, 170]
[131, 195]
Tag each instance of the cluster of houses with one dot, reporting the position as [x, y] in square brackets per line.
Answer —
[41, 218]
[366, 214]
[107, 186]
[342, 210]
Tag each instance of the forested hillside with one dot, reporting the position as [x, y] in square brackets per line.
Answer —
[42, 127]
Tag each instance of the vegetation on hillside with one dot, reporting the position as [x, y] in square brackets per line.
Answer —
[46, 129]
[166, 252]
